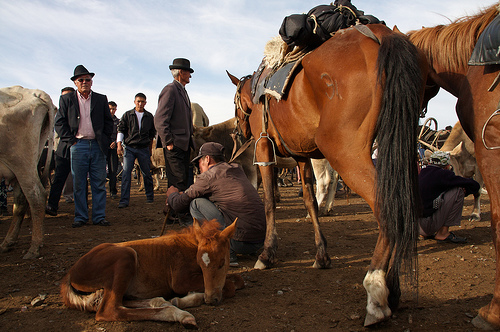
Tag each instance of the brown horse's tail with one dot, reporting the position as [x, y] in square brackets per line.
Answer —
[398, 199]
[75, 299]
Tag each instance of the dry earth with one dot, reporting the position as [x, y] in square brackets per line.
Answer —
[454, 280]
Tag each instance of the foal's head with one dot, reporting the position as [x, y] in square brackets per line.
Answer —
[213, 256]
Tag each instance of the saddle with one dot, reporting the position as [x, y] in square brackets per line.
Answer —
[274, 82]
[487, 49]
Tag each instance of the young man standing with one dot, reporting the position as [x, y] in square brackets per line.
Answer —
[136, 132]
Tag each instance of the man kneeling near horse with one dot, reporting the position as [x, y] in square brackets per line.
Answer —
[223, 192]
[132, 280]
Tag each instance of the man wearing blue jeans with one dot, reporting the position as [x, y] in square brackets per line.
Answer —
[136, 131]
[84, 125]
[223, 192]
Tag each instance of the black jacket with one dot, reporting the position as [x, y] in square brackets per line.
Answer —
[68, 119]
[129, 127]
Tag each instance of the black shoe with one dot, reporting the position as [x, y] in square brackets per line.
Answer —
[114, 196]
[50, 211]
[150, 201]
[103, 223]
[122, 205]
[78, 224]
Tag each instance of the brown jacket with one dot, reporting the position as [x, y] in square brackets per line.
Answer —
[227, 186]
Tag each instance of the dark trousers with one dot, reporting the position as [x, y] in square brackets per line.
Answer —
[177, 167]
[112, 170]
[63, 168]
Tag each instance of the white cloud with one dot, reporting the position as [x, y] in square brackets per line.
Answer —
[129, 44]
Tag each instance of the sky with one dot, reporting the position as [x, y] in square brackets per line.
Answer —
[130, 44]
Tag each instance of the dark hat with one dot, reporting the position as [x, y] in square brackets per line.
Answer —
[210, 149]
[79, 71]
[181, 63]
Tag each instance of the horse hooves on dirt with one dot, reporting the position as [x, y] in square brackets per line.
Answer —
[475, 217]
[189, 323]
[31, 255]
[480, 323]
[372, 320]
[322, 265]
[259, 265]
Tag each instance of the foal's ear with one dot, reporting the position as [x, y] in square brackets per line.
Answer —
[228, 232]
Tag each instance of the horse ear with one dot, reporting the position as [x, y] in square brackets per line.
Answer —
[228, 232]
[233, 78]
[395, 29]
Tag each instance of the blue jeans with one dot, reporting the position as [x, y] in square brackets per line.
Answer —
[129, 157]
[88, 159]
[203, 209]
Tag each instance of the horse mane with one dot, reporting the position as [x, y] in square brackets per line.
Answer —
[451, 45]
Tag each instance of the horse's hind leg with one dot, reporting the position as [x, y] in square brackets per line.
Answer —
[322, 260]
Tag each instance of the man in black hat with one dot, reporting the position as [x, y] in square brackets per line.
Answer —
[84, 125]
[174, 124]
[223, 192]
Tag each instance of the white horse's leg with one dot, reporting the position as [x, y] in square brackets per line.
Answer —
[190, 300]
[332, 189]
[377, 308]
[476, 211]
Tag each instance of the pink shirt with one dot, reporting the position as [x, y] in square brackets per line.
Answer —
[85, 129]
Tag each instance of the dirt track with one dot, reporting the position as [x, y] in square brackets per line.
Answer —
[454, 281]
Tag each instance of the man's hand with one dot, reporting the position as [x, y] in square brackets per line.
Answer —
[112, 145]
[170, 147]
[119, 149]
[172, 190]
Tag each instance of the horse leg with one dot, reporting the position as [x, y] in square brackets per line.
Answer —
[322, 260]
[488, 161]
[264, 154]
[476, 211]
[332, 189]
[191, 300]
[380, 281]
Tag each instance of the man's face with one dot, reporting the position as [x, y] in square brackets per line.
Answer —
[184, 76]
[83, 84]
[203, 163]
[112, 109]
[139, 102]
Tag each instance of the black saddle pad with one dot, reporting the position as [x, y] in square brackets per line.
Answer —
[487, 49]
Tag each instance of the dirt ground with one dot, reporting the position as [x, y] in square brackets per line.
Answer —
[454, 280]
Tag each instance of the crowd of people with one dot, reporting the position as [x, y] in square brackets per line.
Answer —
[90, 140]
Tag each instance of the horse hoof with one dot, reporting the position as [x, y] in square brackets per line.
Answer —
[372, 319]
[259, 265]
[480, 323]
[189, 323]
[31, 255]
[326, 265]
[475, 217]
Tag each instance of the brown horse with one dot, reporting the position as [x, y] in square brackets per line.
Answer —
[349, 91]
[130, 280]
[448, 49]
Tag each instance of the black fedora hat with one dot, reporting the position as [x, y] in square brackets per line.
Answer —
[181, 63]
[79, 71]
